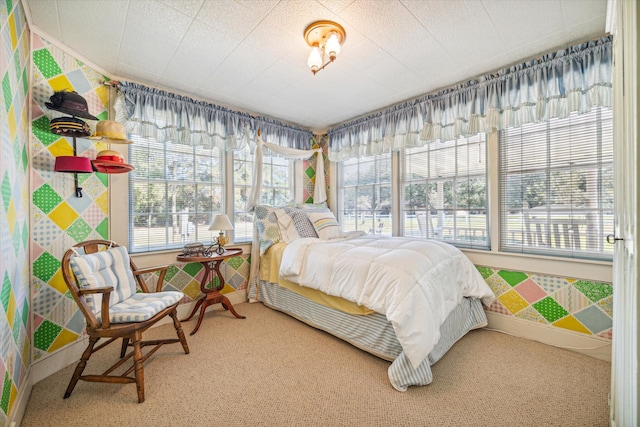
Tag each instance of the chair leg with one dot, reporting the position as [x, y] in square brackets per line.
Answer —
[125, 344]
[81, 365]
[178, 326]
[138, 366]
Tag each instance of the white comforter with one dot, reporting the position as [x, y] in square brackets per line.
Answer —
[416, 283]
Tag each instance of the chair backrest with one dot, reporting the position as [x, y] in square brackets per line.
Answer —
[556, 229]
[98, 264]
[425, 225]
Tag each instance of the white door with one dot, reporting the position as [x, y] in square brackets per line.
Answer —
[624, 372]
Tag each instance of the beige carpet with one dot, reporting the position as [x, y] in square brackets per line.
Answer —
[272, 370]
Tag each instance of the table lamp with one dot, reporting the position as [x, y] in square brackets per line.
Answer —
[221, 222]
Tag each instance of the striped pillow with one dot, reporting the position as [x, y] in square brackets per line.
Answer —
[104, 269]
[326, 225]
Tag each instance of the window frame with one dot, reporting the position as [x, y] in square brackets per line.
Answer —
[175, 154]
[559, 242]
[118, 206]
[375, 186]
[294, 173]
[456, 147]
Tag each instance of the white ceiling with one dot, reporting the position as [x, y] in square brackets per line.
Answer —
[250, 55]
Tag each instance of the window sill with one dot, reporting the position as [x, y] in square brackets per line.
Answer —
[563, 267]
[149, 259]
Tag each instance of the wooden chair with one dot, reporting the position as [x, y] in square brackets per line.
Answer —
[425, 225]
[102, 279]
[554, 228]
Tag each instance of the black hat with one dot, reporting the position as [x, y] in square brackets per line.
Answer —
[70, 103]
[70, 126]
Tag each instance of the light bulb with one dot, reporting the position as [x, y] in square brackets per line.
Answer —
[333, 46]
[315, 59]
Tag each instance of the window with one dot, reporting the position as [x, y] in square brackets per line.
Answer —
[242, 177]
[277, 188]
[176, 189]
[443, 192]
[174, 192]
[365, 194]
[556, 186]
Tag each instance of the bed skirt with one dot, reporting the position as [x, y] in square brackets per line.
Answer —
[373, 333]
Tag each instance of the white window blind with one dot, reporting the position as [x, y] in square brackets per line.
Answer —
[174, 192]
[365, 194]
[277, 187]
[556, 186]
[443, 192]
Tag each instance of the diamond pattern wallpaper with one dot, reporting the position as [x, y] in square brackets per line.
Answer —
[308, 165]
[59, 218]
[577, 305]
[15, 325]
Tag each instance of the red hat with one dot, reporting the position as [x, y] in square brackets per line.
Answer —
[73, 164]
[109, 161]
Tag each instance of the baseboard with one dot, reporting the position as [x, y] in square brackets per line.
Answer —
[596, 347]
[20, 405]
[50, 364]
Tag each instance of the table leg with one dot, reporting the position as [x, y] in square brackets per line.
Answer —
[211, 296]
[203, 307]
[198, 304]
[227, 306]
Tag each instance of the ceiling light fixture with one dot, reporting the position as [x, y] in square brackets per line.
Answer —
[325, 39]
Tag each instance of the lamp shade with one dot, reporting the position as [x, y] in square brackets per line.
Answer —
[73, 164]
[221, 222]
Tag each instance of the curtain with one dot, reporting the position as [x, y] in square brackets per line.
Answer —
[319, 191]
[552, 86]
[149, 112]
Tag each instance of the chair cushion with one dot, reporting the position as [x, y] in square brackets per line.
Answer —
[141, 306]
[104, 269]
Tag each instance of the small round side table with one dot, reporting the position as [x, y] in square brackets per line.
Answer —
[211, 295]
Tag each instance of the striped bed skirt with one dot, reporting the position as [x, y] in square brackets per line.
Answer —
[373, 333]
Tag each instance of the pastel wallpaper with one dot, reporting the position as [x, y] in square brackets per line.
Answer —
[309, 177]
[577, 305]
[59, 218]
[15, 324]
[40, 217]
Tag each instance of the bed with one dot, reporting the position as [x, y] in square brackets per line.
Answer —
[404, 300]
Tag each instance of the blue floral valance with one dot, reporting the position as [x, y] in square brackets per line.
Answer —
[552, 86]
[164, 116]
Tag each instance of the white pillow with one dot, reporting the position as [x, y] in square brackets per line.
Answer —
[326, 225]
